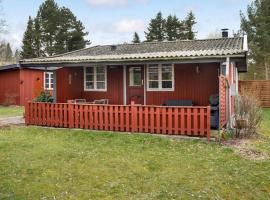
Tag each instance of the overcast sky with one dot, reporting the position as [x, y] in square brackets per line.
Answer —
[114, 21]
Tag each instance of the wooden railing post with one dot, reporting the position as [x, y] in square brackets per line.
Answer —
[133, 117]
[70, 115]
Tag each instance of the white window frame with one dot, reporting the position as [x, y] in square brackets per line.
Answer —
[160, 79]
[51, 81]
[95, 78]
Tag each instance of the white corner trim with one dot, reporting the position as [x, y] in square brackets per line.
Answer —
[245, 43]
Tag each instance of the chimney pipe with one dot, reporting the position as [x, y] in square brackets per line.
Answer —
[225, 33]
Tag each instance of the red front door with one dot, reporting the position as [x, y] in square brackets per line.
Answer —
[135, 84]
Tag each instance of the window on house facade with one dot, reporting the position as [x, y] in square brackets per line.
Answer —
[48, 80]
[95, 78]
[160, 77]
[135, 76]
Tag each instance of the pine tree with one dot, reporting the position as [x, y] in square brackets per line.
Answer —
[17, 55]
[156, 29]
[8, 53]
[257, 27]
[56, 30]
[28, 50]
[136, 38]
[172, 28]
[189, 23]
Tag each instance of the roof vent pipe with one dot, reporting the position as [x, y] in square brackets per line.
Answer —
[225, 33]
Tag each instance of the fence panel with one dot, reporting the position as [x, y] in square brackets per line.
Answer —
[259, 88]
[191, 121]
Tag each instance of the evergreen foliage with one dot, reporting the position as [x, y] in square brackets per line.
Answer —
[156, 29]
[171, 29]
[54, 30]
[136, 38]
[28, 48]
[257, 26]
[189, 23]
[6, 54]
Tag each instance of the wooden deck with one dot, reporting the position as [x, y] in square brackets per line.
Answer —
[190, 121]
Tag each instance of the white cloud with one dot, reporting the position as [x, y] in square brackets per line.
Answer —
[107, 2]
[129, 25]
[113, 2]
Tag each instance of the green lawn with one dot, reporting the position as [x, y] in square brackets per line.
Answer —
[41, 163]
[265, 126]
[11, 111]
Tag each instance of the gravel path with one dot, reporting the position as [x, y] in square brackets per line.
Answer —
[11, 121]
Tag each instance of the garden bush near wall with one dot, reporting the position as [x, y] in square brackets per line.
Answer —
[44, 97]
[248, 115]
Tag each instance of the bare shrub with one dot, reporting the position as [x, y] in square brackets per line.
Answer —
[248, 115]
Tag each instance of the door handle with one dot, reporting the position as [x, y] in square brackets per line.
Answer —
[142, 81]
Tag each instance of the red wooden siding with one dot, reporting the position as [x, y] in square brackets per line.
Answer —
[190, 85]
[31, 84]
[223, 118]
[75, 90]
[10, 87]
[69, 83]
[114, 87]
[191, 121]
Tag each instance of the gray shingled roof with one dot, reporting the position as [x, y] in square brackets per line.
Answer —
[183, 49]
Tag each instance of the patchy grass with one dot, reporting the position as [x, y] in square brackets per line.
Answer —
[43, 163]
[11, 111]
[265, 126]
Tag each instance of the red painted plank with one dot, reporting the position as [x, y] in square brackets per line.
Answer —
[189, 121]
[91, 115]
[106, 121]
[82, 123]
[183, 122]
[111, 118]
[176, 122]
[101, 125]
[121, 113]
[152, 120]
[164, 120]
[146, 124]
[202, 128]
[195, 121]
[158, 120]
[116, 117]
[170, 113]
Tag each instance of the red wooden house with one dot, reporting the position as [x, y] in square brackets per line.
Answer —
[21, 85]
[151, 74]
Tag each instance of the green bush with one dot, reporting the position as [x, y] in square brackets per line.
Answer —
[44, 97]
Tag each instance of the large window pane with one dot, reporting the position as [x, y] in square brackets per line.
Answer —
[135, 76]
[101, 69]
[100, 77]
[90, 77]
[166, 84]
[89, 85]
[167, 76]
[100, 85]
[153, 76]
[89, 70]
[153, 84]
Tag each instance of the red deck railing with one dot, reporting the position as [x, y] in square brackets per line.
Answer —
[190, 121]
